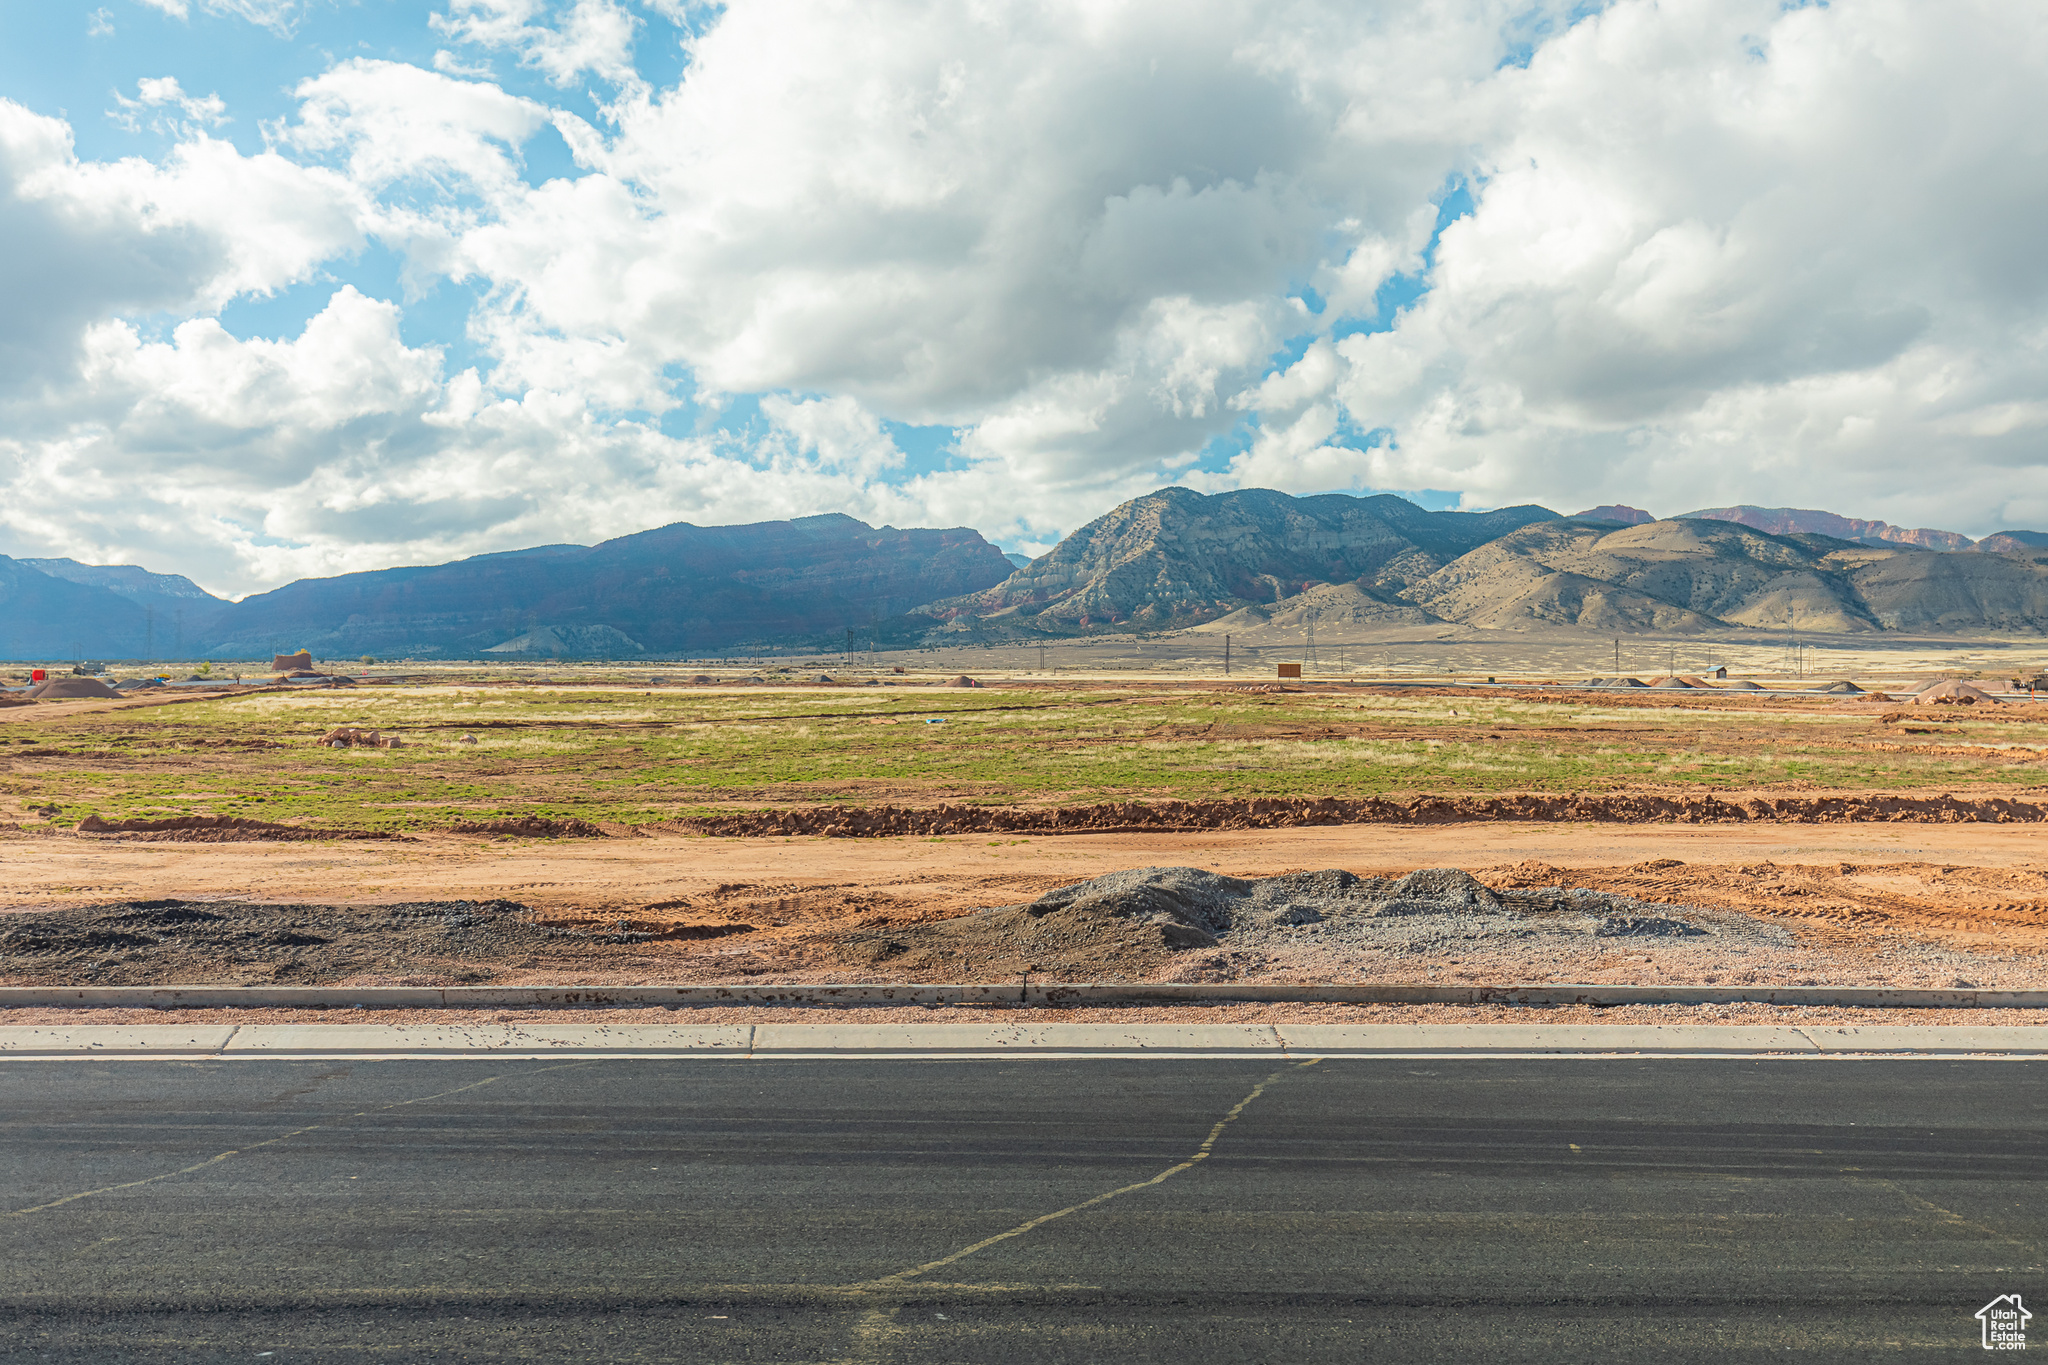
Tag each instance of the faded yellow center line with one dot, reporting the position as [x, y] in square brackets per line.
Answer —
[268, 1142]
[1201, 1154]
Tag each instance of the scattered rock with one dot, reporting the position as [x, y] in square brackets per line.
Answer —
[353, 737]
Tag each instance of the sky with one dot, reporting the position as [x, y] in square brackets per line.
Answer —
[303, 287]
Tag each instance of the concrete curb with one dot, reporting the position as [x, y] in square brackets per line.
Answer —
[990, 1040]
[1020, 993]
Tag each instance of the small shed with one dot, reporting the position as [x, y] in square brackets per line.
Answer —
[1290, 670]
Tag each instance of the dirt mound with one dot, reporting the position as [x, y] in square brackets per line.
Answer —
[1139, 921]
[221, 829]
[532, 827]
[962, 681]
[1745, 685]
[1284, 813]
[1951, 692]
[61, 689]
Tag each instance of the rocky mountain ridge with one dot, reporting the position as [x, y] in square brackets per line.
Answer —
[1262, 562]
[1253, 560]
[1177, 558]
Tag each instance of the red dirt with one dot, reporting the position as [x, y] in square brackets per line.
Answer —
[221, 829]
[1278, 813]
[532, 827]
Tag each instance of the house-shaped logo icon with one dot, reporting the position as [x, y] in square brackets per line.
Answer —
[2005, 1323]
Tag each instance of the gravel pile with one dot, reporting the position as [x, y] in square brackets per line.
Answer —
[161, 942]
[1425, 911]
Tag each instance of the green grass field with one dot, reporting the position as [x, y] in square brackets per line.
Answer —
[620, 755]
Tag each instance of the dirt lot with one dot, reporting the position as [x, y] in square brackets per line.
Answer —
[1924, 905]
[889, 758]
[845, 832]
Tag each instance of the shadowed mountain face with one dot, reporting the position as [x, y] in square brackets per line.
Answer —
[680, 589]
[1178, 558]
[175, 610]
[42, 617]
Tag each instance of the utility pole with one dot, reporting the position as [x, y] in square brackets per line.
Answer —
[1309, 648]
[1617, 654]
[1226, 656]
[1041, 658]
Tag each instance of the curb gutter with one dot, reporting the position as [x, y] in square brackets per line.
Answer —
[941, 1041]
[599, 997]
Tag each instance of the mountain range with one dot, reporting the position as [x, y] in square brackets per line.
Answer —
[679, 589]
[1792, 521]
[1255, 560]
[1178, 558]
[1251, 560]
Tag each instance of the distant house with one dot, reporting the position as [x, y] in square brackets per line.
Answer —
[1720, 672]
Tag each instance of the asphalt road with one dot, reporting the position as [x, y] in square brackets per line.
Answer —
[1553, 1210]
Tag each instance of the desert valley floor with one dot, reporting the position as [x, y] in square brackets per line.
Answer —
[556, 826]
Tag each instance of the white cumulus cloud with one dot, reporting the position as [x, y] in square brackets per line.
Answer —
[1696, 252]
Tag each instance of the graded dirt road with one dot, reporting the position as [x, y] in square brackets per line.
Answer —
[1154, 1211]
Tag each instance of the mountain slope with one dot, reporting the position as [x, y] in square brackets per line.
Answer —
[1178, 558]
[182, 610]
[1786, 521]
[47, 618]
[679, 589]
[1689, 575]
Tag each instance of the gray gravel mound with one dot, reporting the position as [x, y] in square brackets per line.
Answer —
[222, 942]
[1423, 911]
